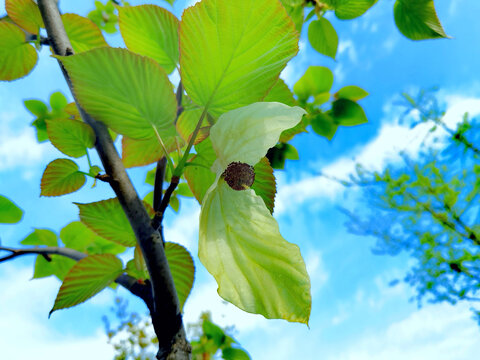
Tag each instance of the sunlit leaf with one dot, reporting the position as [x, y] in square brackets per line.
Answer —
[61, 177]
[351, 92]
[58, 101]
[255, 268]
[264, 184]
[231, 353]
[71, 137]
[187, 121]
[183, 269]
[324, 125]
[316, 80]
[41, 237]
[280, 93]
[10, 213]
[17, 57]
[350, 9]
[323, 37]
[58, 266]
[108, 220]
[77, 236]
[417, 19]
[295, 11]
[36, 107]
[25, 13]
[151, 31]
[233, 51]
[83, 33]
[86, 278]
[144, 151]
[129, 93]
[245, 134]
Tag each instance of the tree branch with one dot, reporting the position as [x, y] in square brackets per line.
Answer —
[166, 317]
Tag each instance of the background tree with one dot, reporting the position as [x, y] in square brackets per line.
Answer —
[427, 206]
[229, 85]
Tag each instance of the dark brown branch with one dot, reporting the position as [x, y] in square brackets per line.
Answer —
[128, 282]
[158, 218]
[166, 315]
[159, 179]
[179, 96]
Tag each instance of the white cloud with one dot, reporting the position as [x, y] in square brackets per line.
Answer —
[184, 228]
[347, 47]
[436, 332]
[26, 332]
[391, 139]
[18, 146]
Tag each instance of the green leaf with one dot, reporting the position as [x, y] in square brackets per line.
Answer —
[10, 213]
[107, 219]
[36, 107]
[151, 31]
[25, 13]
[87, 278]
[17, 57]
[280, 93]
[214, 332]
[71, 137]
[129, 93]
[200, 178]
[183, 270]
[41, 126]
[58, 101]
[324, 125]
[77, 236]
[351, 92]
[84, 35]
[61, 177]
[41, 237]
[350, 9]
[255, 268]
[229, 64]
[231, 353]
[264, 184]
[281, 152]
[323, 37]
[417, 19]
[295, 11]
[144, 151]
[58, 266]
[246, 134]
[316, 80]
[187, 121]
[348, 113]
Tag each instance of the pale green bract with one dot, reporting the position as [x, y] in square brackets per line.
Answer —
[240, 243]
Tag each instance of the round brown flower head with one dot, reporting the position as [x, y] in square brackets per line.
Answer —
[239, 176]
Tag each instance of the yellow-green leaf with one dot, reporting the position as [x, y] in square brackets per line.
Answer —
[351, 92]
[264, 184]
[199, 176]
[316, 80]
[151, 31]
[17, 58]
[231, 52]
[144, 151]
[107, 219]
[10, 213]
[129, 93]
[41, 237]
[61, 177]
[25, 13]
[71, 137]
[255, 267]
[323, 37]
[182, 268]
[280, 93]
[83, 33]
[87, 278]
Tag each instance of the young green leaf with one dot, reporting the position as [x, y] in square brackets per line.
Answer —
[77, 236]
[144, 151]
[151, 31]
[87, 278]
[245, 134]
[83, 33]
[71, 137]
[351, 92]
[323, 37]
[10, 213]
[316, 80]
[36, 107]
[183, 269]
[129, 93]
[58, 101]
[187, 121]
[58, 266]
[41, 237]
[347, 113]
[17, 57]
[108, 220]
[417, 19]
[231, 353]
[255, 268]
[350, 9]
[228, 64]
[280, 93]
[25, 13]
[61, 177]
[324, 125]
[264, 184]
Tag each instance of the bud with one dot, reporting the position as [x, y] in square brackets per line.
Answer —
[239, 176]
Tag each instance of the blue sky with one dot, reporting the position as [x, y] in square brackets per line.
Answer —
[355, 313]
